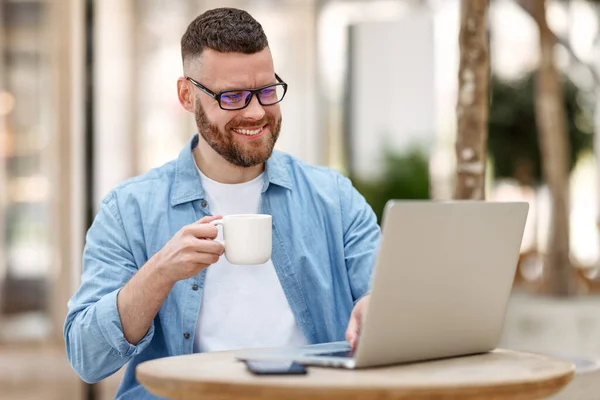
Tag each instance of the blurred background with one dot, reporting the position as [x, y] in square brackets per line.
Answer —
[88, 99]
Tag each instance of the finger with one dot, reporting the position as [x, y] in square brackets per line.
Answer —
[205, 259]
[209, 246]
[203, 231]
[208, 218]
[352, 331]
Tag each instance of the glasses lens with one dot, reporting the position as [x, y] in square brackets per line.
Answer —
[235, 99]
[272, 94]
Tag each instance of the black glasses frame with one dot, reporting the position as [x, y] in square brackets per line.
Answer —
[253, 92]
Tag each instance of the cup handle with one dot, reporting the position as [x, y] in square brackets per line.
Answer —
[219, 222]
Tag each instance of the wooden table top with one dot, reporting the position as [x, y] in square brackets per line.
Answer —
[498, 375]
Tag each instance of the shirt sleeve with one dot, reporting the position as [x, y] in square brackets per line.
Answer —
[95, 343]
[361, 238]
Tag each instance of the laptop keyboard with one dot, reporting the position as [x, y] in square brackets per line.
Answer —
[343, 353]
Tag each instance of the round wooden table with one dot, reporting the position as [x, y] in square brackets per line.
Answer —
[498, 375]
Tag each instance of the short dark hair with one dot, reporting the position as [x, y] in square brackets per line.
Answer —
[227, 30]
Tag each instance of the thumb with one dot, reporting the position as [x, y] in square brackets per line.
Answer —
[353, 330]
[208, 218]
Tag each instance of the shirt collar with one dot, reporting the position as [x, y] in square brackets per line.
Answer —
[187, 186]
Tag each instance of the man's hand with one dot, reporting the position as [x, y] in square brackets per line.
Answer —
[357, 318]
[189, 251]
[186, 254]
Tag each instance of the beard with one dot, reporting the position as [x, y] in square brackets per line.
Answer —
[248, 154]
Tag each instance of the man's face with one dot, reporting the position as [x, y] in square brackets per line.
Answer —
[243, 137]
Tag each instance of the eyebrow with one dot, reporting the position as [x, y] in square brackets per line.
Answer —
[242, 87]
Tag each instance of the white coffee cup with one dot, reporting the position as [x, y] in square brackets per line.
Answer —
[247, 238]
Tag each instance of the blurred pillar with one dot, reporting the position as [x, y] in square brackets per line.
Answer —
[295, 48]
[67, 25]
[554, 151]
[162, 126]
[3, 153]
[403, 66]
[597, 121]
[473, 101]
[597, 150]
[333, 19]
[114, 99]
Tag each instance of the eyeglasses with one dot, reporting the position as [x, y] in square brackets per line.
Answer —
[237, 99]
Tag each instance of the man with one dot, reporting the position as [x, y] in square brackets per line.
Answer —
[154, 283]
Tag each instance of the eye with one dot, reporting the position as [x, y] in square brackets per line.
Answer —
[232, 97]
[268, 92]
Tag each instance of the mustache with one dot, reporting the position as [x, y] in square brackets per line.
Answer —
[249, 124]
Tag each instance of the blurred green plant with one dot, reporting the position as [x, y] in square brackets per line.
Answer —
[405, 176]
[513, 144]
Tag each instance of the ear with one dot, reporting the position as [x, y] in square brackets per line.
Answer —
[185, 93]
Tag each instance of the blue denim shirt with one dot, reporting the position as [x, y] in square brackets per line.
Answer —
[325, 240]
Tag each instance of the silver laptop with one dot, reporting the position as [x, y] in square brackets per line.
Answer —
[439, 289]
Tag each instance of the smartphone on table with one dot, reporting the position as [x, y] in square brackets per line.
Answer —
[275, 367]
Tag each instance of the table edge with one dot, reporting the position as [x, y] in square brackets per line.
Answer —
[180, 389]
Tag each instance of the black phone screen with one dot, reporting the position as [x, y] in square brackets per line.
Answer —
[272, 367]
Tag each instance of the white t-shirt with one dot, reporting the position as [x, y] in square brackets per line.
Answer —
[243, 306]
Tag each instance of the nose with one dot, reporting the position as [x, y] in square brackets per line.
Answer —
[254, 110]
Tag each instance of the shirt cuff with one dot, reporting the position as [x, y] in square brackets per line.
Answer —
[112, 330]
[366, 294]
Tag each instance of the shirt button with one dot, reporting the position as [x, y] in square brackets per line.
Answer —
[186, 335]
[203, 203]
[194, 287]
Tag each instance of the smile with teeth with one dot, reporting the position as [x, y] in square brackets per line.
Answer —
[249, 132]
